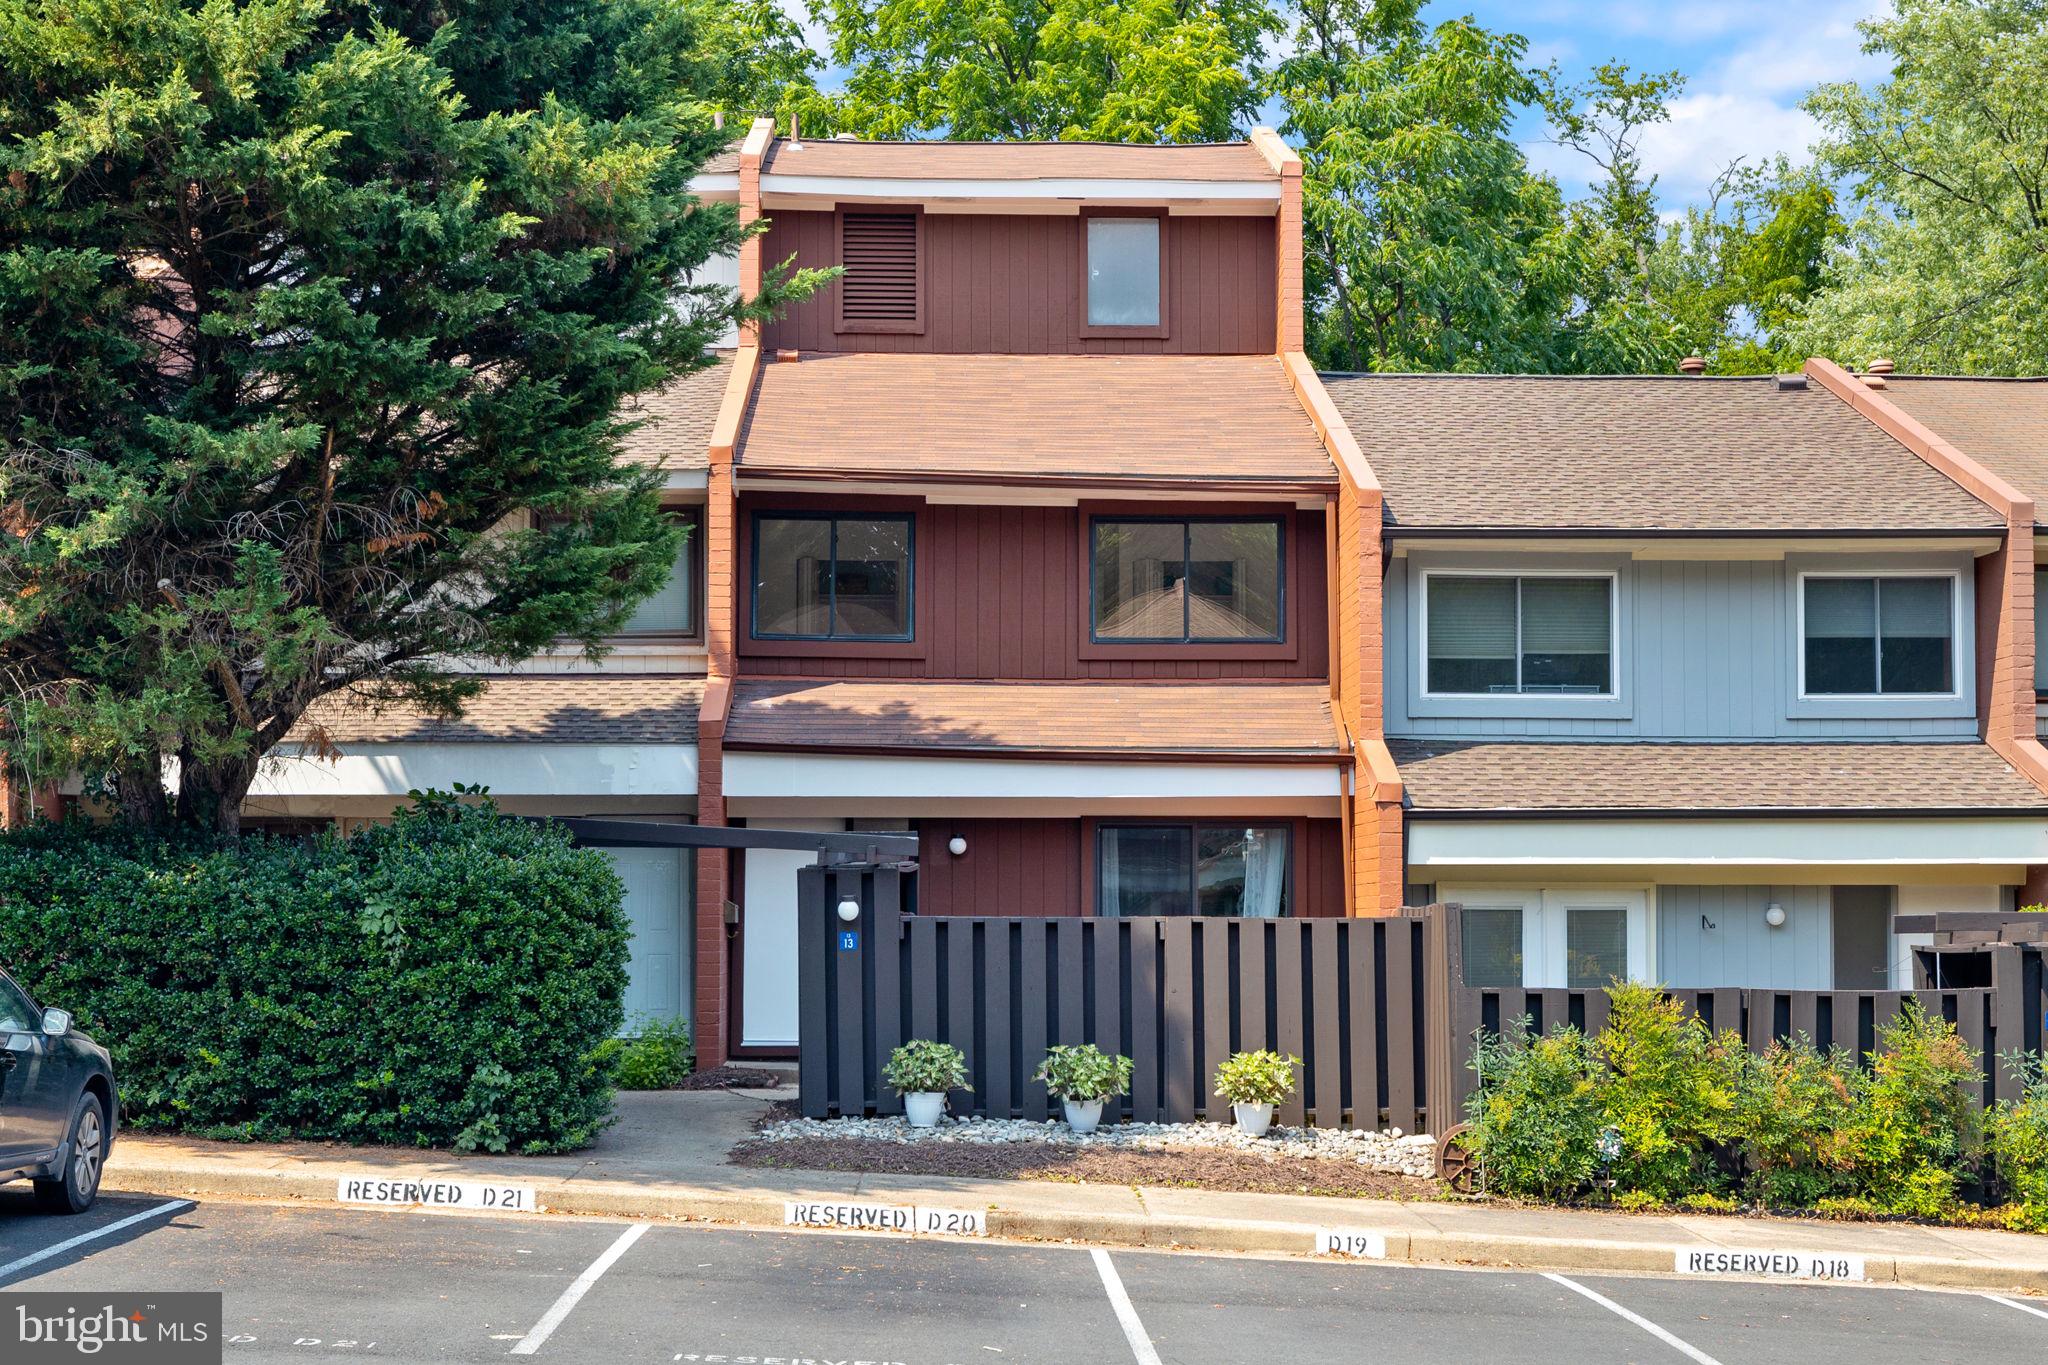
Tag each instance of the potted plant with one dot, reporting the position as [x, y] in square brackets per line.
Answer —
[1254, 1082]
[922, 1071]
[1083, 1077]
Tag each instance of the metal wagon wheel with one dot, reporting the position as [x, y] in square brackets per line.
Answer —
[1455, 1164]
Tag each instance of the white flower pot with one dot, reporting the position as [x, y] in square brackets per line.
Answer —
[1254, 1119]
[925, 1108]
[1083, 1115]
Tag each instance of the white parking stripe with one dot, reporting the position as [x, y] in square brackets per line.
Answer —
[1126, 1314]
[174, 1206]
[2015, 1303]
[1675, 1343]
[573, 1295]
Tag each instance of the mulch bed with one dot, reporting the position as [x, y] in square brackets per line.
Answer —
[732, 1078]
[1185, 1168]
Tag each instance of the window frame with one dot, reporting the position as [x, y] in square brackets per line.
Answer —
[1519, 695]
[690, 515]
[806, 643]
[1545, 925]
[1186, 646]
[841, 325]
[1958, 675]
[1194, 827]
[1150, 330]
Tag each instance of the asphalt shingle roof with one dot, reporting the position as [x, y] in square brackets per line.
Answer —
[1523, 776]
[2001, 423]
[948, 160]
[1638, 453]
[677, 419]
[536, 708]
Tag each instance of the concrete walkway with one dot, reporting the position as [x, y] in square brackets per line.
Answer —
[665, 1158]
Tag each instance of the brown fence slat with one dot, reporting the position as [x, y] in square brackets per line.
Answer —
[962, 992]
[1326, 1045]
[1073, 985]
[1806, 1014]
[1142, 943]
[1032, 1034]
[1104, 967]
[1366, 1003]
[1253, 952]
[1597, 1007]
[1289, 1001]
[2008, 1015]
[924, 976]
[998, 1084]
[815, 1085]
[885, 950]
[1178, 1092]
[851, 1014]
[1214, 936]
[1970, 1010]
[1402, 1021]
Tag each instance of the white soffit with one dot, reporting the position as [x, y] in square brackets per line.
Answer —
[1068, 195]
[507, 769]
[1984, 841]
[962, 782]
[716, 186]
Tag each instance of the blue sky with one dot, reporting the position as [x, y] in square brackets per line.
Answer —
[1748, 64]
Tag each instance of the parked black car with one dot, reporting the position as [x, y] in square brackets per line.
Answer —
[57, 1103]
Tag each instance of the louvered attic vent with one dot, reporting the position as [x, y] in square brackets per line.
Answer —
[881, 290]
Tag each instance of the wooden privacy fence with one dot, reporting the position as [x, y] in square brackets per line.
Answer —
[1353, 998]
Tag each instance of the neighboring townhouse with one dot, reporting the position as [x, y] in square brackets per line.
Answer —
[1033, 539]
[1698, 680]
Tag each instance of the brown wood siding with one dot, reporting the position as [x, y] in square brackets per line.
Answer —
[999, 593]
[1045, 867]
[1011, 284]
[1011, 867]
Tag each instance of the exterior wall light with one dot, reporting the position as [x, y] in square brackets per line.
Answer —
[849, 910]
[1774, 915]
[956, 846]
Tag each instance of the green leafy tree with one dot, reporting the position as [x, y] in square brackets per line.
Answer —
[1947, 265]
[1112, 70]
[1428, 243]
[753, 57]
[301, 303]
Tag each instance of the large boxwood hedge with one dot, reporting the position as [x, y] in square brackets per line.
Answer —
[440, 980]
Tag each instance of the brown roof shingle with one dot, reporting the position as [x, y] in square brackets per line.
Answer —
[1638, 453]
[941, 160]
[535, 708]
[1208, 419]
[1243, 720]
[1516, 776]
[677, 419]
[2001, 423]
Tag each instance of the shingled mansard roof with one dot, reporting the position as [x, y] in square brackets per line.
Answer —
[529, 708]
[1639, 454]
[677, 419]
[1525, 777]
[1275, 721]
[1208, 419]
[846, 158]
[2000, 423]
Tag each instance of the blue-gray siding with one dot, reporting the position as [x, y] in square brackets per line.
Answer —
[1706, 652]
[1710, 936]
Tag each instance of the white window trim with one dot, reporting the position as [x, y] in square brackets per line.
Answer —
[1543, 924]
[1955, 634]
[1613, 635]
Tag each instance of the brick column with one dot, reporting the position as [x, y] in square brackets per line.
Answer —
[1286, 164]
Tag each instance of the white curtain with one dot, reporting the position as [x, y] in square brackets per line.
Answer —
[1265, 872]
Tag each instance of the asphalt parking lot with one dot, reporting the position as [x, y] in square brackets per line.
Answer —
[303, 1284]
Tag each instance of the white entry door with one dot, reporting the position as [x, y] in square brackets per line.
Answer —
[1553, 938]
[768, 1005]
[657, 899]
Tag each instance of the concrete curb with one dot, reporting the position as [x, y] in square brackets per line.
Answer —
[692, 1204]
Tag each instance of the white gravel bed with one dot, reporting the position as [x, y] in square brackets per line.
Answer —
[1410, 1154]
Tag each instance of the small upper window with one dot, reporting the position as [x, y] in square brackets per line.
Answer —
[1502, 634]
[1879, 636]
[1187, 582]
[1123, 272]
[819, 577]
[673, 609]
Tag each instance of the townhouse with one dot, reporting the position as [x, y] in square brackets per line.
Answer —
[1037, 535]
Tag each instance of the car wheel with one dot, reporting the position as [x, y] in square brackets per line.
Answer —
[80, 1184]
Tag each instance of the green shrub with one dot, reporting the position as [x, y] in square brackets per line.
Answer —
[1913, 1134]
[1256, 1078]
[1536, 1115]
[922, 1066]
[440, 980]
[1666, 1089]
[2016, 1134]
[1793, 1104]
[658, 1058]
[1084, 1073]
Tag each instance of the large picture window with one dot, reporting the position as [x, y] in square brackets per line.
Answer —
[1218, 870]
[825, 577]
[1207, 581]
[1877, 635]
[1506, 634]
